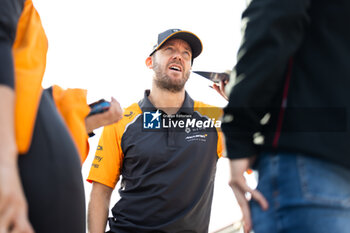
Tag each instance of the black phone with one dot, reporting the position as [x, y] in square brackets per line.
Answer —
[99, 107]
[214, 76]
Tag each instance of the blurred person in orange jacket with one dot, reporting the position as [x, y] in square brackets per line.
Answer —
[41, 186]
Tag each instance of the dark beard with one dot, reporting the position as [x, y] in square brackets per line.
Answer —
[164, 82]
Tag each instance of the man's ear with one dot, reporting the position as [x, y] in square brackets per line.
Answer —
[149, 62]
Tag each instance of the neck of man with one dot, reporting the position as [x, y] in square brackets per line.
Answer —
[165, 100]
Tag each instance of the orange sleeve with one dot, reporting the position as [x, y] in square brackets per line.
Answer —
[107, 164]
[105, 168]
[29, 52]
[213, 113]
[72, 106]
[221, 144]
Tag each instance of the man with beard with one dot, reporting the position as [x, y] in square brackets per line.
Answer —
[165, 148]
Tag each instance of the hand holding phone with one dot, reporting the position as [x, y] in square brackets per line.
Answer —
[112, 112]
[99, 107]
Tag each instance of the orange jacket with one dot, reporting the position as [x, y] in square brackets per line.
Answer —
[29, 51]
[71, 104]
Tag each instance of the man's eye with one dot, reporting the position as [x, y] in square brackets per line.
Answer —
[186, 54]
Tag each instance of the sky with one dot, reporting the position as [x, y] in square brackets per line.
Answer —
[102, 45]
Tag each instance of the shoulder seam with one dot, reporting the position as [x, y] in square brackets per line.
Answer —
[131, 122]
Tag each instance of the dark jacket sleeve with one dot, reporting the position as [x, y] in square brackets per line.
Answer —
[10, 11]
[272, 32]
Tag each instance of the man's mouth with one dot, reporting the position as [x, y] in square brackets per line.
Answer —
[175, 68]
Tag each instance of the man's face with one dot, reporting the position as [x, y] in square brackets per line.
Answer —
[172, 65]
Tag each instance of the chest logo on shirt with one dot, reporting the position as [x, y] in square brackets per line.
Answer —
[197, 137]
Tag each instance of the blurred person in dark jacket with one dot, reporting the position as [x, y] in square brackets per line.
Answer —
[290, 89]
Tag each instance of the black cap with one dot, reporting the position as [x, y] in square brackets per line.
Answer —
[193, 40]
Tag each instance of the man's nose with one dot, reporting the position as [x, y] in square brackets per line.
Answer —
[177, 55]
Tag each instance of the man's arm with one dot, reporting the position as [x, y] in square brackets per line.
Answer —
[273, 32]
[239, 187]
[98, 208]
[13, 206]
